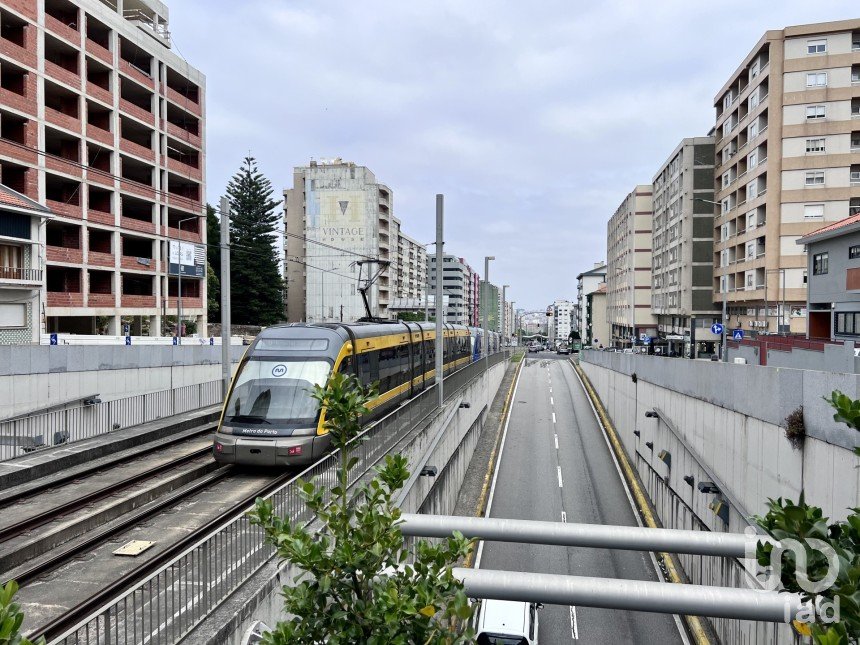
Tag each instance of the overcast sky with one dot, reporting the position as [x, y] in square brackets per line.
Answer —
[534, 119]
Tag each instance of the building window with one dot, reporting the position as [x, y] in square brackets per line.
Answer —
[818, 46]
[10, 258]
[752, 160]
[753, 130]
[752, 189]
[816, 111]
[813, 211]
[805, 277]
[755, 69]
[726, 205]
[847, 323]
[854, 252]
[727, 179]
[815, 145]
[816, 79]
[820, 263]
[815, 178]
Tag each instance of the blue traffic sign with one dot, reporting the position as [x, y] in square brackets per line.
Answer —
[175, 340]
[738, 334]
[126, 328]
[128, 340]
[53, 339]
[211, 340]
[716, 328]
[647, 340]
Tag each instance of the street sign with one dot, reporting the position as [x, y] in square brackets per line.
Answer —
[128, 340]
[738, 334]
[211, 340]
[647, 340]
[716, 328]
[175, 340]
[126, 328]
[642, 337]
[53, 339]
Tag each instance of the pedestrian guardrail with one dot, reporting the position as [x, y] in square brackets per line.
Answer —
[168, 604]
[26, 434]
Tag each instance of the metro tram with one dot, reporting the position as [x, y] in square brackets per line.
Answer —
[270, 417]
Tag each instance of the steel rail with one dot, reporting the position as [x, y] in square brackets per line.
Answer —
[53, 481]
[14, 530]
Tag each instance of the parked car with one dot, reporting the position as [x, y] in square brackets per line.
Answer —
[508, 622]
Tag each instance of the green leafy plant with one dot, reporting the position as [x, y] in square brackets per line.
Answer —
[795, 428]
[847, 411]
[359, 581]
[11, 617]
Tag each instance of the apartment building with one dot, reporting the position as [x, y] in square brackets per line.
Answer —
[628, 269]
[103, 123]
[682, 264]
[458, 284]
[411, 267]
[598, 332]
[787, 137]
[339, 226]
[586, 283]
[21, 259]
[561, 321]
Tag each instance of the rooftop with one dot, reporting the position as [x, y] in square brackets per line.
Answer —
[14, 199]
[847, 225]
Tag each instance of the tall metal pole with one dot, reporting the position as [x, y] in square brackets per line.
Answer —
[725, 320]
[179, 286]
[486, 339]
[439, 311]
[225, 296]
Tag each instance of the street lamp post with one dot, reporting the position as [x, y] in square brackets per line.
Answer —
[486, 342]
[179, 278]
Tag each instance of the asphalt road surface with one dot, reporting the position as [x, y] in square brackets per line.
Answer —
[556, 466]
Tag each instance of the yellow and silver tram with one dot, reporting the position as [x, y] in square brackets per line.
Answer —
[270, 418]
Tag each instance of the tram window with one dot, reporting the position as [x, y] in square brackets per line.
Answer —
[368, 367]
[405, 367]
[388, 369]
[346, 366]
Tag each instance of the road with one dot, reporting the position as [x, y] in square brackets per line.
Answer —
[556, 466]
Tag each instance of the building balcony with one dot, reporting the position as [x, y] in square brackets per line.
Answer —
[136, 149]
[63, 254]
[101, 300]
[70, 78]
[137, 112]
[100, 177]
[65, 166]
[183, 101]
[55, 117]
[182, 134]
[142, 226]
[64, 209]
[185, 204]
[20, 277]
[18, 53]
[22, 102]
[135, 188]
[61, 29]
[65, 299]
[100, 93]
[188, 302]
[97, 258]
[18, 152]
[184, 169]
[98, 134]
[188, 236]
[101, 217]
[136, 74]
[97, 51]
[135, 301]
[138, 264]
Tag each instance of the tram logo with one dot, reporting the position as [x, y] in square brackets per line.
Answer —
[279, 370]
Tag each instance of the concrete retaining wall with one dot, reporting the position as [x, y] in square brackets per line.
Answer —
[34, 377]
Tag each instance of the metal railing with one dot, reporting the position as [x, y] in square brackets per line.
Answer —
[20, 273]
[23, 435]
[169, 603]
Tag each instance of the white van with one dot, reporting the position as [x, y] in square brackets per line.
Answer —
[507, 622]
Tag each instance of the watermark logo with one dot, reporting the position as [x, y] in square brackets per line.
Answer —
[770, 577]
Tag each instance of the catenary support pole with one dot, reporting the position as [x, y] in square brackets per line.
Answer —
[440, 273]
[225, 296]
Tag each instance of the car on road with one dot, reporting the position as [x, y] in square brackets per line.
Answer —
[534, 348]
[563, 349]
[507, 622]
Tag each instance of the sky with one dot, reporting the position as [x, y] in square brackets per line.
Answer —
[533, 119]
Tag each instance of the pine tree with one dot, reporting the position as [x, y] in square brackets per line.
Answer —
[256, 284]
[213, 264]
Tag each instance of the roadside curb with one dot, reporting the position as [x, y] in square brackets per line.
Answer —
[699, 632]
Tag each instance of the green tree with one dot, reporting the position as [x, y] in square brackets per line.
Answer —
[213, 264]
[411, 316]
[11, 617]
[807, 525]
[358, 584]
[256, 283]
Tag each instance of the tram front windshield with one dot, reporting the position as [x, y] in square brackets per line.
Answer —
[271, 391]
